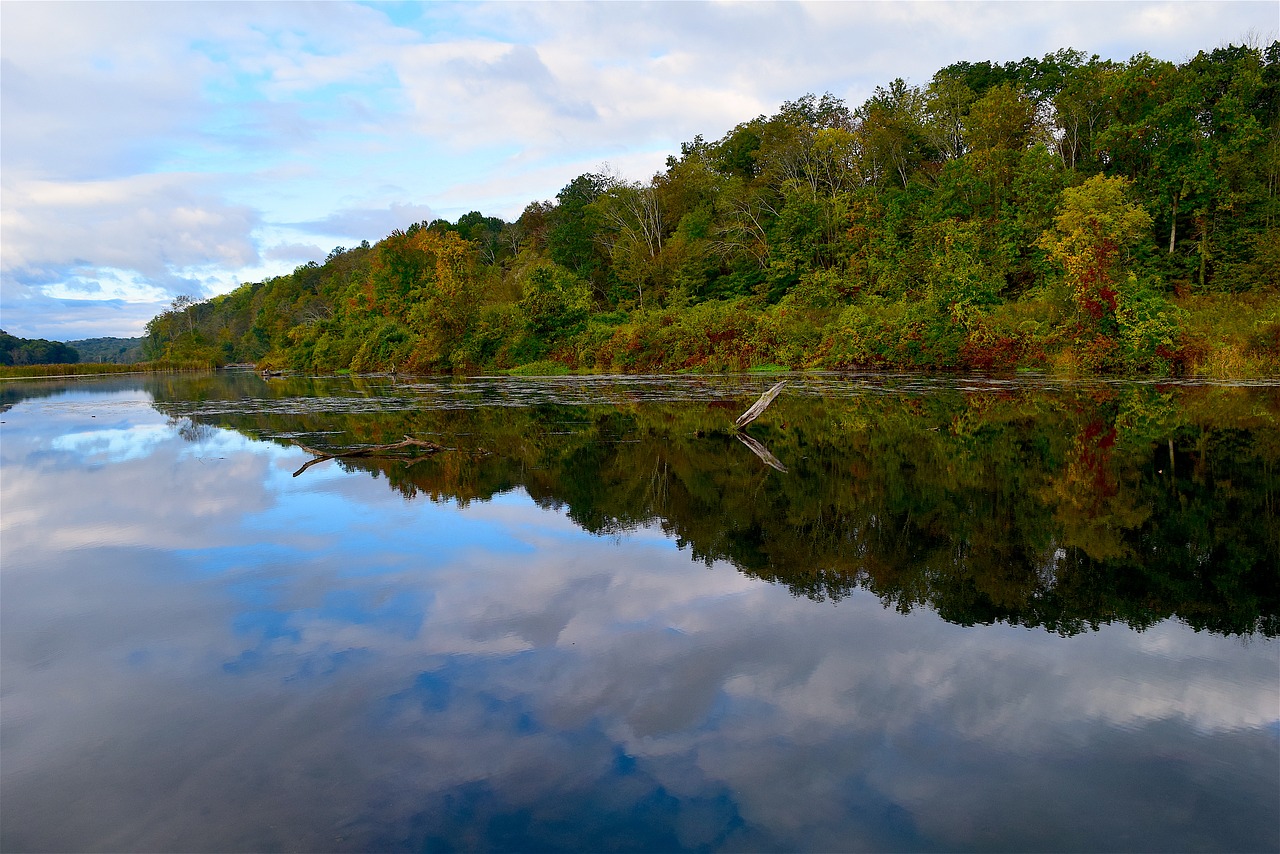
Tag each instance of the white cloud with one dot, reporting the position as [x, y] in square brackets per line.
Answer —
[367, 223]
[154, 224]
[105, 284]
[294, 253]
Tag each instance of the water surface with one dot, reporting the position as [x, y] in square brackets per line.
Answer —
[934, 614]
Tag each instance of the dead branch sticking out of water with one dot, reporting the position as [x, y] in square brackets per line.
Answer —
[759, 406]
[426, 445]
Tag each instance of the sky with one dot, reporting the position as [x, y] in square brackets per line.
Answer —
[150, 150]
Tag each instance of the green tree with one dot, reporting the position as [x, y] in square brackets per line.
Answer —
[37, 351]
[891, 129]
[555, 301]
[633, 230]
[573, 229]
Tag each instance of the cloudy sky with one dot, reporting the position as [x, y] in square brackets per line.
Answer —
[156, 149]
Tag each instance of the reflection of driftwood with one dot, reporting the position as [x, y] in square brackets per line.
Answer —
[761, 451]
[427, 446]
[759, 406]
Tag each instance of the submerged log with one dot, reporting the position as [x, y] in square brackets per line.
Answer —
[425, 445]
[759, 406]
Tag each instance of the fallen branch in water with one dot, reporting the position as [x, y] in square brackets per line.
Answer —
[759, 406]
[428, 447]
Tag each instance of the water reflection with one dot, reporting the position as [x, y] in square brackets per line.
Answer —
[999, 501]
[254, 661]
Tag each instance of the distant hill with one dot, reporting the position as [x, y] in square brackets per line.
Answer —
[35, 351]
[115, 351]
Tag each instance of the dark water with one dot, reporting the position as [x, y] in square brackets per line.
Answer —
[921, 615]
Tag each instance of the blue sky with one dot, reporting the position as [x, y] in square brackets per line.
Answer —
[155, 149]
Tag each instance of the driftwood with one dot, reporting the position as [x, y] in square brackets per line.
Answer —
[752, 414]
[427, 446]
[759, 406]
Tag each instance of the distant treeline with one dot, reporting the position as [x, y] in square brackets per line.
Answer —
[110, 351]
[1066, 213]
[35, 351]
[16, 351]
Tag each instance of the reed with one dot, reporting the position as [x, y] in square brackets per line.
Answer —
[16, 372]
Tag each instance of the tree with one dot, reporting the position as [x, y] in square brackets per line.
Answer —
[959, 279]
[892, 135]
[1094, 227]
[484, 232]
[1081, 113]
[999, 128]
[555, 301]
[633, 229]
[1122, 323]
[37, 351]
[571, 238]
[184, 305]
[447, 297]
[947, 104]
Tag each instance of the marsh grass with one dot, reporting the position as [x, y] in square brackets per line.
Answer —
[541, 368]
[17, 372]
[1234, 336]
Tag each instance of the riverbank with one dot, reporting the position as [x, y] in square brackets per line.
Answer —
[1218, 336]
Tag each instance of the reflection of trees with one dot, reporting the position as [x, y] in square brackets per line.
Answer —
[191, 430]
[1090, 508]
[14, 392]
[1063, 511]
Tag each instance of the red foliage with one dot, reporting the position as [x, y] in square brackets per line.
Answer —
[1003, 353]
[1094, 446]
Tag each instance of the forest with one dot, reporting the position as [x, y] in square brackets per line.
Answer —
[1064, 214]
[35, 351]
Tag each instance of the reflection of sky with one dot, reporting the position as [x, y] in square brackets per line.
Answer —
[202, 651]
[113, 445]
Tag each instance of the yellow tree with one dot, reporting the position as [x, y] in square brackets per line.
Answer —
[447, 295]
[1095, 226]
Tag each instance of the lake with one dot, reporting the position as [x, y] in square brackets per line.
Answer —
[910, 614]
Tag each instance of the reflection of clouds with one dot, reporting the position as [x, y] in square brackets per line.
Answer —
[156, 492]
[112, 445]
[261, 661]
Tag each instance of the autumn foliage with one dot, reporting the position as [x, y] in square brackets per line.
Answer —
[1064, 213]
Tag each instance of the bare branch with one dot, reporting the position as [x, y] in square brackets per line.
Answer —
[759, 406]
[426, 445]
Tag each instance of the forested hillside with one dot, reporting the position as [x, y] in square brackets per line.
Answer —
[35, 351]
[1065, 212]
[113, 351]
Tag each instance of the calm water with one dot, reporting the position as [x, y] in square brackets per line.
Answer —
[922, 614]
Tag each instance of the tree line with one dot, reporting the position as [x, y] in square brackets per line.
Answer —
[1066, 212]
[18, 352]
[35, 351]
